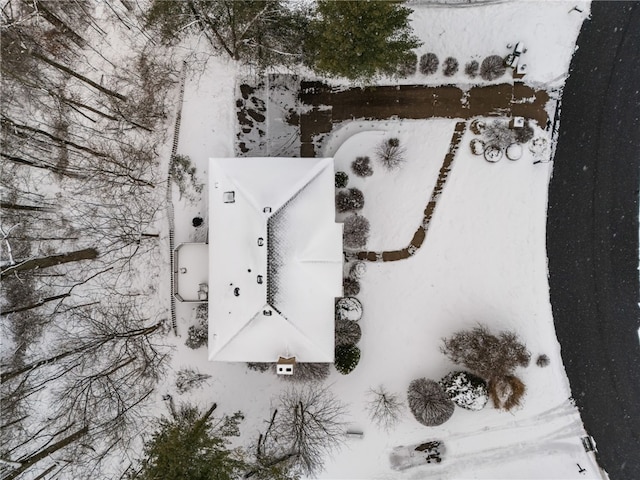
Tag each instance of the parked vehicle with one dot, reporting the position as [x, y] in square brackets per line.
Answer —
[430, 452]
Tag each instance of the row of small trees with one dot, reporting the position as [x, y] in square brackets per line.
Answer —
[491, 68]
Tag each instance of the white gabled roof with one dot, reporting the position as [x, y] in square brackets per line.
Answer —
[299, 261]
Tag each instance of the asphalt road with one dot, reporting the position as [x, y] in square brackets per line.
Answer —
[592, 233]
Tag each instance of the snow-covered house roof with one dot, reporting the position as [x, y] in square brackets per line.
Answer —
[275, 259]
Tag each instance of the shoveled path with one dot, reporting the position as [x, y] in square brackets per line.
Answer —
[592, 233]
[421, 232]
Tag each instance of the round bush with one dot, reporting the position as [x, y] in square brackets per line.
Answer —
[347, 332]
[197, 221]
[477, 146]
[471, 68]
[514, 151]
[478, 126]
[466, 390]
[361, 166]
[507, 391]
[408, 65]
[429, 63]
[342, 179]
[542, 360]
[349, 308]
[355, 231]
[450, 66]
[492, 67]
[350, 287]
[348, 200]
[347, 358]
[357, 270]
[429, 403]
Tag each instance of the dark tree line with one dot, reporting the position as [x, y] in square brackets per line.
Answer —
[82, 192]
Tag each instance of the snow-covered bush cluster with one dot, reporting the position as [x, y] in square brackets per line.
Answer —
[347, 358]
[492, 67]
[349, 308]
[197, 335]
[466, 390]
[349, 200]
[361, 166]
[350, 286]
[429, 63]
[408, 66]
[347, 332]
[429, 403]
[492, 357]
[356, 231]
[450, 66]
[342, 179]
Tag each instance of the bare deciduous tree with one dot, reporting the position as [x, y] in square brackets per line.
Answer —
[384, 407]
[311, 425]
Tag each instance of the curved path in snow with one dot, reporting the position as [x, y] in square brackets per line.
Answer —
[421, 232]
[592, 233]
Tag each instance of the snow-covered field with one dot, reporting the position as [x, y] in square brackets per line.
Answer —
[483, 260]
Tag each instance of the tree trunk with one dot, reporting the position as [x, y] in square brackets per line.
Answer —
[35, 458]
[58, 23]
[82, 78]
[50, 261]
[35, 305]
[17, 206]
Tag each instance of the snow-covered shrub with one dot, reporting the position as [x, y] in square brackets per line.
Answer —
[347, 358]
[350, 287]
[384, 407]
[347, 332]
[492, 67]
[342, 179]
[477, 126]
[542, 360]
[477, 146]
[449, 66]
[408, 65]
[355, 231]
[189, 378]
[506, 392]
[361, 166]
[349, 308]
[307, 372]
[197, 335]
[471, 68]
[390, 153]
[429, 403]
[466, 390]
[348, 200]
[357, 270]
[499, 134]
[429, 63]
[489, 356]
[259, 366]
[524, 134]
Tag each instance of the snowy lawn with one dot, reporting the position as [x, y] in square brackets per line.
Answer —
[483, 260]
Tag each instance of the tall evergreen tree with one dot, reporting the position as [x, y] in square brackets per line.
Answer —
[359, 39]
[189, 446]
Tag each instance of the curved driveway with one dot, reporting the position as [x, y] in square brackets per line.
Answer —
[592, 233]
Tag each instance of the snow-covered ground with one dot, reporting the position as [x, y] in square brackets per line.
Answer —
[483, 260]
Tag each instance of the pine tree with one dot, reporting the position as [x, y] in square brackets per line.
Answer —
[188, 446]
[359, 39]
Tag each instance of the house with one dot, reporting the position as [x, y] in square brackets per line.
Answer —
[275, 259]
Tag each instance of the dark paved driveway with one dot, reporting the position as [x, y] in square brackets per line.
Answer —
[592, 234]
